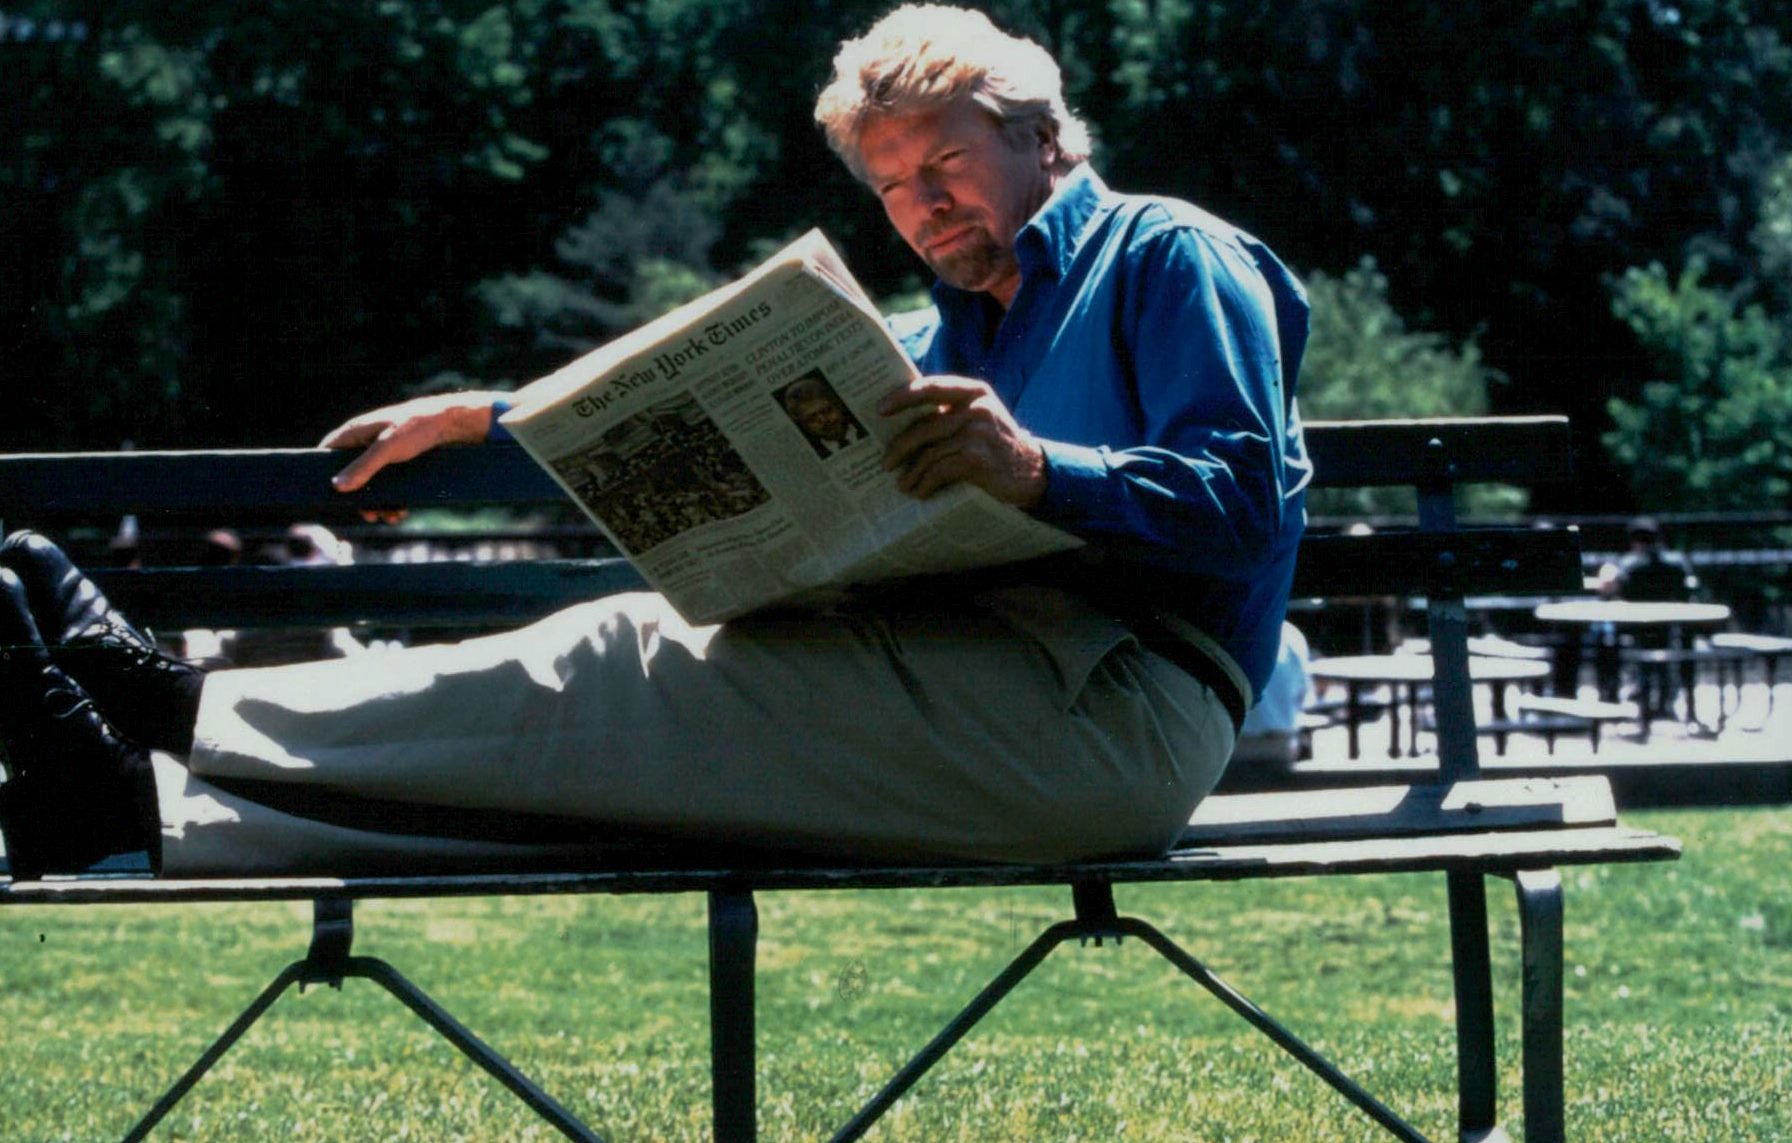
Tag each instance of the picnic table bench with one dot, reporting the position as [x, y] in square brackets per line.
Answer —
[1462, 826]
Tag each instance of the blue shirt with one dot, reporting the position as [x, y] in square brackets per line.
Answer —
[1153, 350]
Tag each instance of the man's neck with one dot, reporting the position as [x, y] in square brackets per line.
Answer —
[1003, 294]
[1003, 291]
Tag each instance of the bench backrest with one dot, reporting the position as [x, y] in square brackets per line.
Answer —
[1435, 560]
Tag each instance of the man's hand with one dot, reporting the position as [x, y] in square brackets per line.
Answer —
[967, 435]
[399, 432]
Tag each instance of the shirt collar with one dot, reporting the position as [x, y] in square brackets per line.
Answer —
[1051, 237]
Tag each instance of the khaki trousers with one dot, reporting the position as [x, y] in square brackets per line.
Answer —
[1016, 725]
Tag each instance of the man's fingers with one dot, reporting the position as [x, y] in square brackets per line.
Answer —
[351, 434]
[923, 477]
[924, 432]
[936, 468]
[934, 391]
[357, 473]
[391, 447]
[372, 431]
[977, 443]
[399, 432]
[384, 515]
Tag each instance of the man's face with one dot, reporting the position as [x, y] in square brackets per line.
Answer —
[821, 416]
[958, 191]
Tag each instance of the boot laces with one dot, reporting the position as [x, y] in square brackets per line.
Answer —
[139, 652]
[64, 701]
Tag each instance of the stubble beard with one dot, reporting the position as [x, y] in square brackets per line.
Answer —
[975, 262]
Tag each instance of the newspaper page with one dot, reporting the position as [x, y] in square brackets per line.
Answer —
[732, 449]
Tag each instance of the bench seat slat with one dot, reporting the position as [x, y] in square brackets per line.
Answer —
[1519, 450]
[1402, 811]
[1481, 561]
[385, 595]
[278, 483]
[1491, 561]
[1487, 852]
[295, 482]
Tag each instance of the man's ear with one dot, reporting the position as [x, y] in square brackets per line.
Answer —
[1046, 143]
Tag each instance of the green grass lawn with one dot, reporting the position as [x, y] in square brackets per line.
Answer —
[1679, 995]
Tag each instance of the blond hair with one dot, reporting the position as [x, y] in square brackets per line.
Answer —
[925, 56]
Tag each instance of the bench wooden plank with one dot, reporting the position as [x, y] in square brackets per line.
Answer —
[1490, 561]
[1491, 852]
[455, 594]
[1585, 709]
[388, 595]
[1402, 811]
[295, 482]
[1531, 806]
[1760, 774]
[1518, 450]
[285, 483]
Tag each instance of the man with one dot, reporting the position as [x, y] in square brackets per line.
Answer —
[1269, 742]
[1647, 573]
[826, 423]
[1122, 367]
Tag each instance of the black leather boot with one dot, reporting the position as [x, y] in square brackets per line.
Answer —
[76, 791]
[150, 696]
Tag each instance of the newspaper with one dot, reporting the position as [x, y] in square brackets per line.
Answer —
[732, 450]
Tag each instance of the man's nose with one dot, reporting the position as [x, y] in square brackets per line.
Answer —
[933, 196]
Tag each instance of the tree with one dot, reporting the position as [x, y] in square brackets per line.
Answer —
[1501, 160]
[235, 215]
[239, 223]
[1712, 428]
[1363, 362]
[232, 223]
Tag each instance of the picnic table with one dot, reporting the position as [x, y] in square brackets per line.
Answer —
[1634, 613]
[1407, 673]
[1766, 648]
[1670, 630]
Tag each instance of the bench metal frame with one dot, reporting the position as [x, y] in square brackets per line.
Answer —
[1450, 564]
[1466, 859]
[328, 962]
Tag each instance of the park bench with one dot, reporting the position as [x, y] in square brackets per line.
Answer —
[1460, 825]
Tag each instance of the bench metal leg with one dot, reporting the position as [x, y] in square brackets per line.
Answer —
[1353, 717]
[1096, 920]
[1283, 1038]
[1540, 921]
[327, 962]
[470, 1046]
[733, 937]
[289, 976]
[955, 1030]
[1477, 1089]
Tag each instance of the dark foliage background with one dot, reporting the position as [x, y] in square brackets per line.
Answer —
[227, 223]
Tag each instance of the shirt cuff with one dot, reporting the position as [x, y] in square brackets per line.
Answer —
[498, 433]
[1078, 485]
